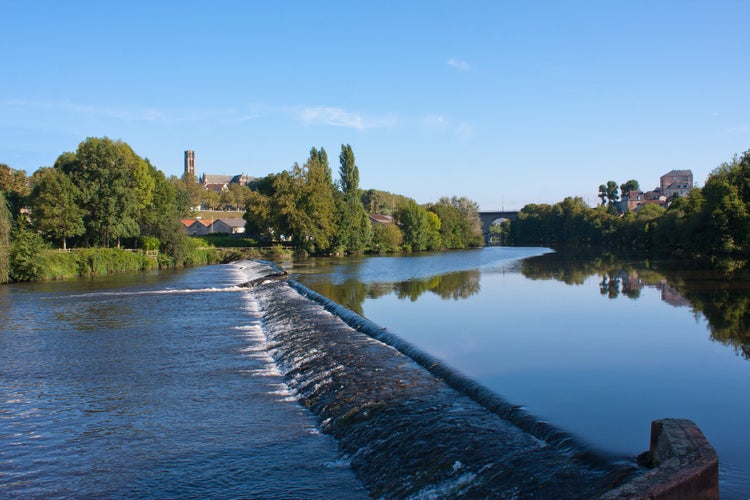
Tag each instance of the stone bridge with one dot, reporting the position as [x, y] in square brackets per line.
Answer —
[489, 218]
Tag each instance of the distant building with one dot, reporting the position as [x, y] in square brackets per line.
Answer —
[226, 225]
[221, 183]
[676, 182]
[197, 226]
[381, 219]
[190, 162]
[212, 182]
[229, 225]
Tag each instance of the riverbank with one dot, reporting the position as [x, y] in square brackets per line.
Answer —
[49, 265]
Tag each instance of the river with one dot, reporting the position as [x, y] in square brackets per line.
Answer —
[152, 385]
[161, 384]
[598, 347]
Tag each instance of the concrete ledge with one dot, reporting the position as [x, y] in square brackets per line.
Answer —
[683, 465]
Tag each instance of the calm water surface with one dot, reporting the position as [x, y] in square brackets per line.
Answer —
[599, 348]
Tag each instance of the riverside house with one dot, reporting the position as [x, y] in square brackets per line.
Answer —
[226, 225]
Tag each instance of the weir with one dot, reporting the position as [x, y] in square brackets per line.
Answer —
[412, 427]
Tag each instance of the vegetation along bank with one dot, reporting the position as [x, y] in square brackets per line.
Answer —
[709, 223]
[103, 209]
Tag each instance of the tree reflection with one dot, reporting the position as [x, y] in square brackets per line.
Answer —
[352, 292]
[721, 294]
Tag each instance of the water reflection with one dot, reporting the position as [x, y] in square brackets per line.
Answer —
[721, 296]
[352, 292]
[541, 335]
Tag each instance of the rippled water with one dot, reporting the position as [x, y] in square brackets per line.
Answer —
[152, 385]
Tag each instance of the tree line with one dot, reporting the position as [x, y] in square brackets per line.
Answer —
[306, 208]
[711, 222]
[104, 195]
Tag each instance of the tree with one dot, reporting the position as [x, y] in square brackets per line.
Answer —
[386, 238]
[55, 202]
[303, 204]
[460, 225]
[602, 194]
[160, 218]
[355, 230]
[609, 194]
[25, 248]
[5, 225]
[210, 199]
[16, 187]
[182, 197]
[420, 228]
[12, 180]
[629, 187]
[115, 186]
[236, 195]
[318, 203]
[382, 202]
[258, 221]
[192, 188]
[613, 195]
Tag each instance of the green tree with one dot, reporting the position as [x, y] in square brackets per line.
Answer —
[235, 196]
[609, 193]
[318, 203]
[728, 216]
[160, 218]
[602, 194]
[194, 191]
[262, 212]
[386, 238]
[25, 249]
[460, 225]
[613, 195]
[382, 202]
[182, 197]
[210, 199]
[355, 230]
[5, 226]
[629, 187]
[115, 187]
[16, 186]
[303, 205]
[420, 228]
[257, 216]
[55, 206]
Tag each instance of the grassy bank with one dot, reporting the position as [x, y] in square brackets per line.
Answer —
[55, 265]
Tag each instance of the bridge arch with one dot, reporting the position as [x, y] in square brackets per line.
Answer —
[489, 218]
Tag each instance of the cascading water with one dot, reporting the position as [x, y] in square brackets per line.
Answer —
[409, 427]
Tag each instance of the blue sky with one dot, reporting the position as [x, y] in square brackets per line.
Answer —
[505, 102]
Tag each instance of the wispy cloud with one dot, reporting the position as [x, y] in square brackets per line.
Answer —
[461, 129]
[144, 114]
[338, 117]
[435, 120]
[459, 64]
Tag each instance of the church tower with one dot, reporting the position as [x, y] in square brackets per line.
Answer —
[190, 162]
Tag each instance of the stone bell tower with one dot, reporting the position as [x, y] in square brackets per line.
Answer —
[190, 162]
